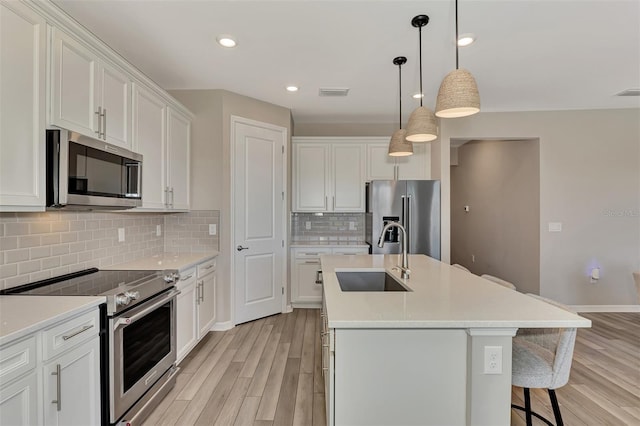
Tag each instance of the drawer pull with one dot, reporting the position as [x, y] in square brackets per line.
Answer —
[82, 330]
[58, 400]
[313, 262]
[187, 277]
[211, 266]
[309, 254]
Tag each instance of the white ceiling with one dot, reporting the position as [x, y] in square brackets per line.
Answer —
[529, 54]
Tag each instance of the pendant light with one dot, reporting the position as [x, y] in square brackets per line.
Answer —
[399, 146]
[423, 124]
[458, 95]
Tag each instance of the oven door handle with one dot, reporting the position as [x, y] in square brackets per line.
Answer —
[125, 321]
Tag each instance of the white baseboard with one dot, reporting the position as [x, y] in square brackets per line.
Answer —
[222, 326]
[307, 305]
[288, 309]
[606, 308]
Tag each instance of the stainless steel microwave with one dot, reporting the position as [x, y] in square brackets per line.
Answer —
[87, 174]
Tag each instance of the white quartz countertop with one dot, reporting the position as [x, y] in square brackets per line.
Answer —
[329, 244]
[442, 297]
[180, 261]
[22, 315]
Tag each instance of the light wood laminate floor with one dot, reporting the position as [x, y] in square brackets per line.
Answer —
[267, 372]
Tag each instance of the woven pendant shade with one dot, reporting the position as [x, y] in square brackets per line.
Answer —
[422, 125]
[458, 95]
[399, 146]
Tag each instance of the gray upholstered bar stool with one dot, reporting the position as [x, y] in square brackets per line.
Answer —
[500, 281]
[542, 359]
[459, 266]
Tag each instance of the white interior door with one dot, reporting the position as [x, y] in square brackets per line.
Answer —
[258, 215]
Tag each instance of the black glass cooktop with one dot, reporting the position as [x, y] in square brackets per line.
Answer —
[90, 282]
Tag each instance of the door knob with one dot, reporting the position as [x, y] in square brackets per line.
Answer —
[240, 248]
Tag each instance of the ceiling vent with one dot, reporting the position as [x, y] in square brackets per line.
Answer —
[629, 92]
[333, 91]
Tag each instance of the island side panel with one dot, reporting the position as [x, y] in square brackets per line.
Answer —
[488, 394]
[400, 376]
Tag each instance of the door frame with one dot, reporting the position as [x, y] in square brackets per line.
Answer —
[235, 119]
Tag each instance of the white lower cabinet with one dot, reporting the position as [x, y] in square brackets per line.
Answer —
[52, 376]
[19, 401]
[196, 305]
[186, 329]
[306, 276]
[206, 303]
[72, 387]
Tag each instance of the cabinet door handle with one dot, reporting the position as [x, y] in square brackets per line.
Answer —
[166, 197]
[333, 202]
[58, 400]
[82, 330]
[104, 124]
[98, 115]
[172, 197]
[325, 202]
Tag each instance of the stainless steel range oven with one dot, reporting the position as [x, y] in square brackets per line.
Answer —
[138, 335]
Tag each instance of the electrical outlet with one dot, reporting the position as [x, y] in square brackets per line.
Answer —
[352, 226]
[307, 225]
[158, 230]
[213, 229]
[493, 360]
[121, 235]
[473, 258]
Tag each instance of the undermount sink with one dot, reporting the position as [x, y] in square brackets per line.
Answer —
[368, 281]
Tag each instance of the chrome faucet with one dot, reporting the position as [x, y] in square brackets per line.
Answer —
[405, 259]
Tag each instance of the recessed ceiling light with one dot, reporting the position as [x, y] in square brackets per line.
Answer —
[466, 39]
[226, 40]
[418, 95]
[292, 88]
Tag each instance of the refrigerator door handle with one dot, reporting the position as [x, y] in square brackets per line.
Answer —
[407, 223]
[403, 217]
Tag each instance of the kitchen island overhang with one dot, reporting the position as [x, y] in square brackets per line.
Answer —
[418, 356]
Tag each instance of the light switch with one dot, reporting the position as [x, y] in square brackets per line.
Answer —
[352, 226]
[213, 229]
[555, 226]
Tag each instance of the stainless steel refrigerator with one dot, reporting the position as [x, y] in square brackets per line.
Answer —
[413, 203]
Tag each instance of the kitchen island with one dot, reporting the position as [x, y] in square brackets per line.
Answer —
[418, 356]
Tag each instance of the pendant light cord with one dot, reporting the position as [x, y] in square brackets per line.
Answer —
[400, 94]
[420, 47]
[456, 40]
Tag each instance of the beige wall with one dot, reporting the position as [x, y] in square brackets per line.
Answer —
[589, 181]
[211, 165]
[500, 234]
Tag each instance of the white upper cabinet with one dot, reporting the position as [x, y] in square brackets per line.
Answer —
[178, 141]
[328, 175]
[162, 135]
[311, 177]
[347, 161]
[381, 166]
[150, 140]
[89, 95]
[22, 108]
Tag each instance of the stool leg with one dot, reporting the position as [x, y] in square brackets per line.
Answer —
[527, 406]
[556, 407]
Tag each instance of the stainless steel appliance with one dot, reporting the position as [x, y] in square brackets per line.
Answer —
[87, 174]
[413, 203]
[138, 336]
